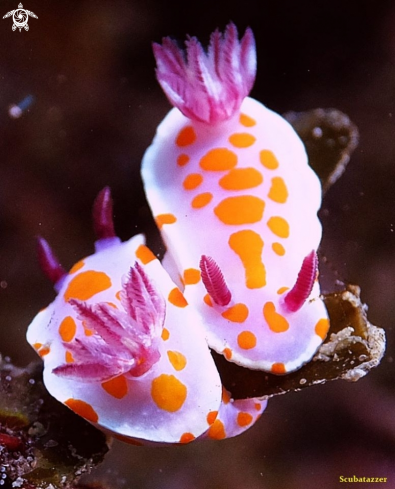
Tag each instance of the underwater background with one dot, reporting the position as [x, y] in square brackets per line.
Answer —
[90, 68]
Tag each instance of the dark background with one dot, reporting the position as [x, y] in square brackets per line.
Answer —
[89, 66]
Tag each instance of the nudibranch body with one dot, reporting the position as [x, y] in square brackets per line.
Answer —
[122, 348]
[231, 190]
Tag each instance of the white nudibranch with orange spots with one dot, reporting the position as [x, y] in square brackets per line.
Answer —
[122, 348]
[230, 188]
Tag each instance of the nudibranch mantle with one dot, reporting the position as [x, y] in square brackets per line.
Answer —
[240, 192]
[122, 348]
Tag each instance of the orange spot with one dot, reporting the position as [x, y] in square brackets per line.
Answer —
[276, 322]
[278, 226]
[237, 313]
[87, 284]
[165, 334]
[191, 276]
[225, 395]
[177, 359]
[246, 120]
[281, 290]
[176, 298]
[67, 329]
[162, 219]
[83, 409]
[218, 159]
[257, 406]
[111, 304]
[192, 181]
[322, 327]
[268, 159]
[77, 266]
[89, 332]
[241, 179]
[244, 419]
[242, 140]
[69, 357]
[278, 248]
[201, 200]
[187, 438]
[37, 346]
[44, 351]
[212, 416]
[278, 191]
[186, 136]
[182, 160]
[116, 387]
[248, 245]
[227, 353]
[145, 255]
[246, 340]
[168, 393]
[243, 209]
[207, 300]
[118, 295]
[278, 369]
[217, 430]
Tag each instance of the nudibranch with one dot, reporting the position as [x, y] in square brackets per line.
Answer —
[122, 348]
[231, 190]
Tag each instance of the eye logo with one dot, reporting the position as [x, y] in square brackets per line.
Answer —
[20, 16]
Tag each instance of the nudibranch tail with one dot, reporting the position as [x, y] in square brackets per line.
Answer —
[300, 292]
[48, 262]
[208, 87]
[214, 281]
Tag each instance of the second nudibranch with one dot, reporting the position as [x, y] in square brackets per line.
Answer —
[122, 348]
[231, 190]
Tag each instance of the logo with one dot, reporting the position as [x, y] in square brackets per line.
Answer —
[20, 16]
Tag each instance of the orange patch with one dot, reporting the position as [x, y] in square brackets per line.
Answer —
[237, 313]
[227, 353]
[186, 136]
[243, 209]
[83, 409]
[37, 346]
[162, 219]
[218, 159]
[191, 276]
[69, 357]
[244, 419]
[182, 160]
[278, 191]
[87, 284]
[116, 387]
[44, 351]
[268, 159]
[118, 295]
[278, 248]
[225, 395]
[187, 438]
[278, 369]
[168, 393]
[242, 140]
[111, 304]
[278, 226]
[145, 255]
[176, 298]
[177, 360]
[212, 416]
[322, 327]
[67, 329]
[201, 200]
[276, 322]
[207, 300]
[281, 290]
[246, 120]
[241, 179]
[77, 266]
[246, 340]
[257, 406]
[165, 334]
[192, 181]
[248, 245]
[217, 430]
[88, 332]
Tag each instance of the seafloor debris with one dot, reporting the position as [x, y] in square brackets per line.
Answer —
[329, 137]
[42, 443]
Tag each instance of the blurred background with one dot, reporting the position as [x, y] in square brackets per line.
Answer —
[89, 67]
